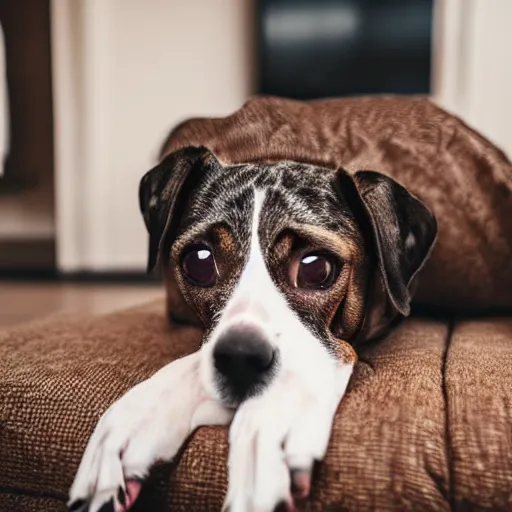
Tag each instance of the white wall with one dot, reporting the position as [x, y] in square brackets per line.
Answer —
[473, 64]
[126, 71]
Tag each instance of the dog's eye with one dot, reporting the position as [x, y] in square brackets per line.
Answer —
[317, 271]
[199, 266]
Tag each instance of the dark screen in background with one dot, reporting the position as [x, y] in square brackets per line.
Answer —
[317, 48]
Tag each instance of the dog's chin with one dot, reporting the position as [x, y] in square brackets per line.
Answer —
[233, 395]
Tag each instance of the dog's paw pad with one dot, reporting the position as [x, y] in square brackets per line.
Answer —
[133, 488]
[301, 483]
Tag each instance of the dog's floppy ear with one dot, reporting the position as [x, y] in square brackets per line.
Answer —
[164, 190]
[404, 232]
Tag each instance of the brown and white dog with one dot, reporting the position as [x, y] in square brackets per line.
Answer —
[286, 266]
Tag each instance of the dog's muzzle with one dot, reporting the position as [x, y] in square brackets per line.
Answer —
[244, 362]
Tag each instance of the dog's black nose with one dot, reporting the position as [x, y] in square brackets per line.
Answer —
[244, 358]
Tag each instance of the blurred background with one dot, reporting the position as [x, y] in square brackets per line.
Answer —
[90, 88]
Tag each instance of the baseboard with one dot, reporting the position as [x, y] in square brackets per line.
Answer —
[27, 254]
[52, 275]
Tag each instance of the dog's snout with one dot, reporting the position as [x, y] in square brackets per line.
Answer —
[244, 358]
[244, 352]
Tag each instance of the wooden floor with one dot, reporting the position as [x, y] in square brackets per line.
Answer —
[24, 301]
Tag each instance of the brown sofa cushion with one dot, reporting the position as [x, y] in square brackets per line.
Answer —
[479, 385]
[461, 176]
[416, 431]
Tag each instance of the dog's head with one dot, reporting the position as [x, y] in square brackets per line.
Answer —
[283, 264]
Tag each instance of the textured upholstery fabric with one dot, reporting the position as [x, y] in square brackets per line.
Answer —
[426, 423]
[479, 387]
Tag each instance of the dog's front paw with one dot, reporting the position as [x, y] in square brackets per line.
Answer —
[146, 425]
[275, 438]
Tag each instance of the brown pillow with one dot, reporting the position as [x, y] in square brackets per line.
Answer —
[462, 177]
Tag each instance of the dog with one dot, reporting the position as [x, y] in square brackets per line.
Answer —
[287, 266]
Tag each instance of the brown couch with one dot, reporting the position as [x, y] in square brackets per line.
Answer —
[427, 421]
[426, 424]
